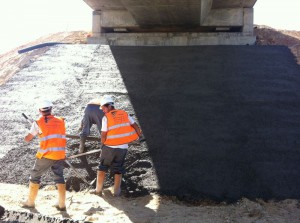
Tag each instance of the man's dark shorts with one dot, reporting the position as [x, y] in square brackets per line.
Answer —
[112, 158]
[41, 166]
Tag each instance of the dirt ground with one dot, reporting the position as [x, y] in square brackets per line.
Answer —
[83, 207]
[143, 206]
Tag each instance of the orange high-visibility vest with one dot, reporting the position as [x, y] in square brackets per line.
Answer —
[52, 139]
[119, 129]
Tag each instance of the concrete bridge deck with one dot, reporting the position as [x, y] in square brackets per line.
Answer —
[172, 16]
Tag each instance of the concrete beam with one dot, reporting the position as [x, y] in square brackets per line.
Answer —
[172, 13]
[217, 4]
[164, 12]
[225, 17]
[172, 39]
[122, 4]
[248, 21]
[117, 18]
[96, 26]
[205, 9]
[171, 17]
[98, 5]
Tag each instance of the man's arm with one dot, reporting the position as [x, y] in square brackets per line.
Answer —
[137, 129]
[103, 137]
[29, 137]
[34, 130]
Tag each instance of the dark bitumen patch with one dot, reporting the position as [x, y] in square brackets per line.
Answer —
[221, 122]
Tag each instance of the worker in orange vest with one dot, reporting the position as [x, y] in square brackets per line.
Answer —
[51, 132]
[118, 129]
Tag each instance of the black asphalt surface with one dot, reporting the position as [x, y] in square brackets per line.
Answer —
[221, 122]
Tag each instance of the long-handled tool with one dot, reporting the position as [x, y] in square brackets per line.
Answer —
[78, 174]
[27, 119]
[94, 138]
[99, 150]
[84, 154]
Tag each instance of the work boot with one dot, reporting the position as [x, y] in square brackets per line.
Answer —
[33, 191]
[99, 184]
[100, 194]
[61, 205]
[82, 144]
[117, 185]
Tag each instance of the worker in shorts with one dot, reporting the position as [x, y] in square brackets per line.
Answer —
[51, 132]
[118, 129]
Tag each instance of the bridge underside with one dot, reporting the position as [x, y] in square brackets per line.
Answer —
[172, 22]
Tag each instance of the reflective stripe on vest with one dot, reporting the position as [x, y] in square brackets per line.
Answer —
[52, 139]
[120, 135]
[118, 126]
[51, 149]
[119, 129]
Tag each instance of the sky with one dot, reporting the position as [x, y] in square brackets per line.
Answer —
[23, 21]
[279, 14]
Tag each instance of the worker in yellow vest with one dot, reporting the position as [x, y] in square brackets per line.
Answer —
[51, 132]
[118, 129]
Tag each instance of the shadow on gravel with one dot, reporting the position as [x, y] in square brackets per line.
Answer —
[221, 122]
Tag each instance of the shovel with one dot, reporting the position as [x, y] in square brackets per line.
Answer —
[78, 174]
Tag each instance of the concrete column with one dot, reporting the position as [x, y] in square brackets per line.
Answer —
[205, 9]
[117, 19]
[96, 28]
[224, 17]
[248, 21]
